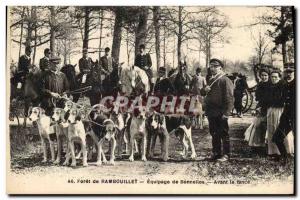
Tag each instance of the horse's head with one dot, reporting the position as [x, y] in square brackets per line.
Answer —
[68, 69]
[125, 80]
[70, 72]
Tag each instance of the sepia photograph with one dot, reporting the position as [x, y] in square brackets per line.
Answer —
[150, 100]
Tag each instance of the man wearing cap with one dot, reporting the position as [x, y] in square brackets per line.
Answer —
[24, 64]
[218, 105]
[287, 119]
[54, 84]
[163, 86]
[106, 63]
[143, 61]
[85, 66]
[44, 62]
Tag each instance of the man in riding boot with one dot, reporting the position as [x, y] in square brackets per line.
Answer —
[85, 66]
[143, 61]
[54, 84]
[24, 65]
[218, 105]
[287, 119]
[106, 63]
[163, 86]
[44, 62]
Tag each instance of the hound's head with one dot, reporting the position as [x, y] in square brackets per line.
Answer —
[156, 120]
[58, 115]
[110, 129]
[76, 115]
[68, 105]
[35, 113]
[140, 114]
[98, 111]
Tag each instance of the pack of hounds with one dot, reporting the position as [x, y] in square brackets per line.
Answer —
[84, 130]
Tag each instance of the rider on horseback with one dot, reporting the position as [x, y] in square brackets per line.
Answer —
[143, 61]
[44, 62]
[24, 65]
[106, 63]
[85, 66]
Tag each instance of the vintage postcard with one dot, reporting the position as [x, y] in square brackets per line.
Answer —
[192, 100]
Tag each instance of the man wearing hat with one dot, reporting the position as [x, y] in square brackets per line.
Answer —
[54, 84]
[44, 62]
[85, 66]
[24, 64]
[287, 119]
[163, 86]
[143, 61]
[218, 105]
[106, 62]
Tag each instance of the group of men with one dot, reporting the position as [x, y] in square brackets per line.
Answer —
[218, 91]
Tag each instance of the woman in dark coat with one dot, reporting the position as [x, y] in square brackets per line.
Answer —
[256, 132]
[275, 109]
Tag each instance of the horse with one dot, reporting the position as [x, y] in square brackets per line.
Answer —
[70, 72]
[26, 88]
[110, 84]
[134, 81]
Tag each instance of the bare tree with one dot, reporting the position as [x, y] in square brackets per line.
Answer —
[117, 35]
[156, 23]
[261, 45]
[141, 30]
[211, 25]
[281, 21]
[182, 21]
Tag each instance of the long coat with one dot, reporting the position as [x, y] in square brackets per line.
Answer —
[219, 100]
[52, 82]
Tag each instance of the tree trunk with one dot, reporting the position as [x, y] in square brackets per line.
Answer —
[156, 16]
[52, 30]
[86, 28]
[127, 47]
[21, 36]
[117, 37]
[207, 54]
[34, 48]
[29, 30]
[35, 34]
[100, 36]
[283, 48]
[141, 31]
[164, 55]
[199, 56]
[179, 36]
[65, 51]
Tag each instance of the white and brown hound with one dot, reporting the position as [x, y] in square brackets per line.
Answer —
[61, 128]
[103, 129]
[76, 133]
[44, 126]
[138, 129]
[157, 128]
[182, 127]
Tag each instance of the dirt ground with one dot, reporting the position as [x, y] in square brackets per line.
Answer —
[244, 165]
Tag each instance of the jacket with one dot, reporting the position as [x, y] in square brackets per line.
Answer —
[219, 100]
